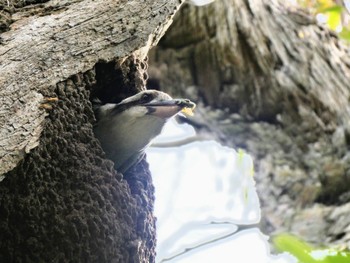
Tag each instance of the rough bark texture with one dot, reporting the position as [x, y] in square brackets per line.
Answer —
[60, 198]
[277, 85]
[50, 42]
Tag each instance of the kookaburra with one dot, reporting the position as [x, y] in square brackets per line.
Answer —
[127, 128]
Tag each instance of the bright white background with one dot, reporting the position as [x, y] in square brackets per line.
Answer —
[202, 190]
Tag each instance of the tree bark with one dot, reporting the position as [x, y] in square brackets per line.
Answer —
[51, 42]
[60, 198]
[275, 83]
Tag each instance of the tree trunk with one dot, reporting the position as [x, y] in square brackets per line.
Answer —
[276, 84]
[60, 198]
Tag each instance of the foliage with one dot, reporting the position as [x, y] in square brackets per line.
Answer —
[305, 253]
[330, 12]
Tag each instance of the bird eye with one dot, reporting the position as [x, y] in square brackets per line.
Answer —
[146, 98]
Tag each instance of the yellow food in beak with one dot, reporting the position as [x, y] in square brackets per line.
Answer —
[188, 111]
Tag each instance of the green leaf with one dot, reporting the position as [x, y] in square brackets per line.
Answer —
[345, 34]
[331, 256]
[334, 19]
[333, 13]
[306, 253]
[294, 246]
[333, 8]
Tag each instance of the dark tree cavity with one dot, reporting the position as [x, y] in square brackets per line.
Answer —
[64, 201]
[60, 198]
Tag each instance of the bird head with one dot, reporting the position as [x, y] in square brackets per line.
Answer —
[153, 103]
[127, 128]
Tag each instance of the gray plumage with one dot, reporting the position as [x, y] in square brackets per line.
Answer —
[127, 128]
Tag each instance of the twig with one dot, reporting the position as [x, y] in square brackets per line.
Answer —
[239, 229]
[188, 140]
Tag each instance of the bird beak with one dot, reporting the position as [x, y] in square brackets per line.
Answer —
[167, 108]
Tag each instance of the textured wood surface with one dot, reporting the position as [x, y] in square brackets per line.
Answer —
[277, 85]
[64, 202]
[49, 42]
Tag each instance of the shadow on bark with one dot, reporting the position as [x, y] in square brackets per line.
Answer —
[65, 201]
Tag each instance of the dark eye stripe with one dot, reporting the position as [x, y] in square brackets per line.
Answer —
[145, 98]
